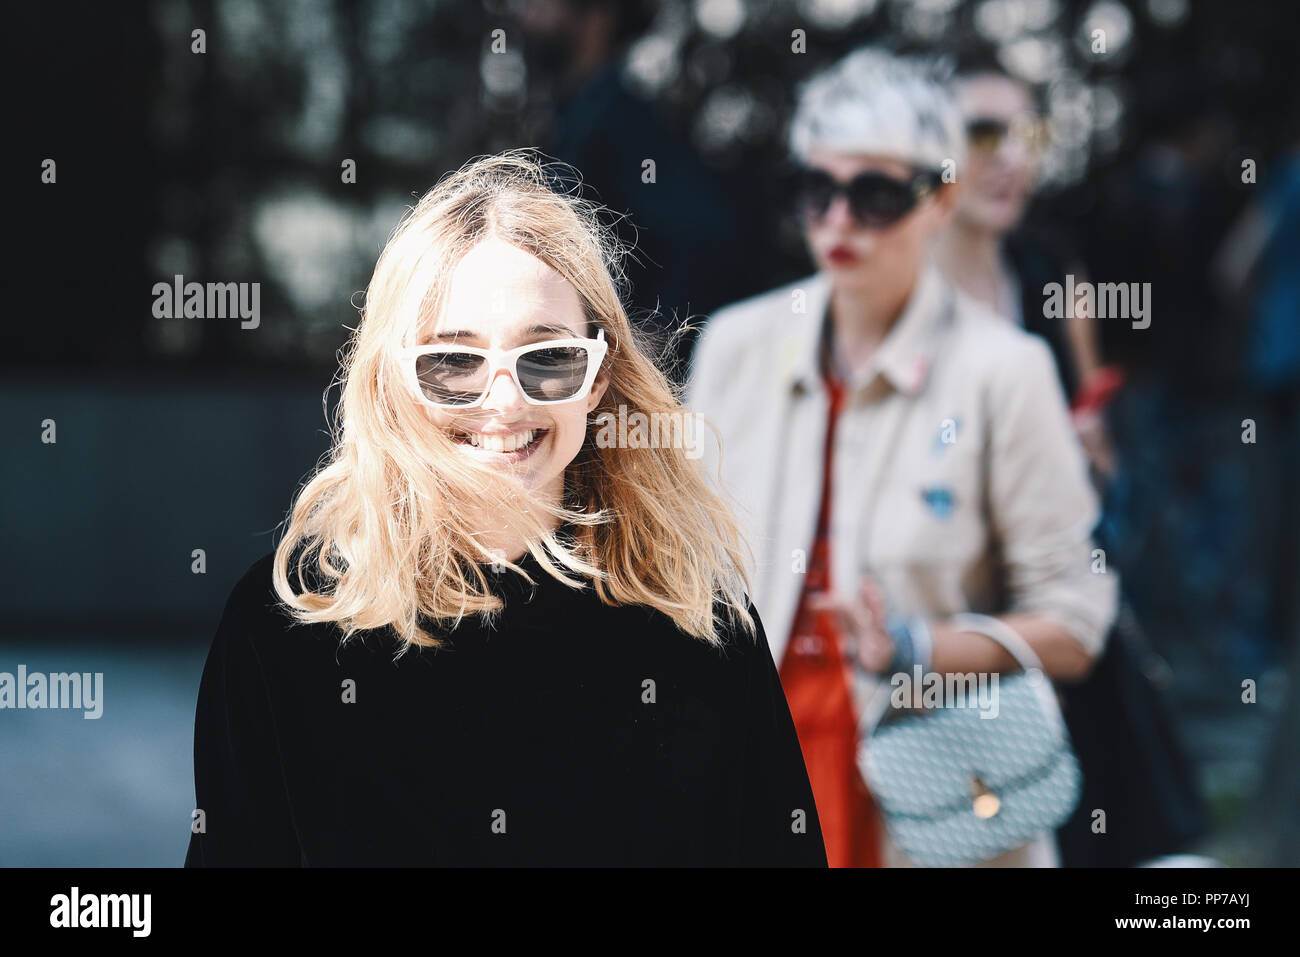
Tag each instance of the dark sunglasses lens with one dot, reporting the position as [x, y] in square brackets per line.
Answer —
[986, 135]
[879, 200]
[452, 378]
[553, 374]
[815, 191]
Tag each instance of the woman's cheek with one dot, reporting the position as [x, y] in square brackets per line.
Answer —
[567, 439]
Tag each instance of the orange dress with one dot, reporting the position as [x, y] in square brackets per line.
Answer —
[814, 677]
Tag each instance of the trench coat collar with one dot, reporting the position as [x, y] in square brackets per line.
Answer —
[905, 356]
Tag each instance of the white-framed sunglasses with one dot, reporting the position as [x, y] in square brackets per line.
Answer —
[458, 377]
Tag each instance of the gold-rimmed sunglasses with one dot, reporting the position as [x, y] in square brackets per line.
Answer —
[986, 134]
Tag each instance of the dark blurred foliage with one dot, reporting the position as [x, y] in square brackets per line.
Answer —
[225, 166]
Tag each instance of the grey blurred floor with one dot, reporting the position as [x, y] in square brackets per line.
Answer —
[116, 791]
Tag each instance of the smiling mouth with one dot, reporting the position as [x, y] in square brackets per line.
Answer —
[515, 446]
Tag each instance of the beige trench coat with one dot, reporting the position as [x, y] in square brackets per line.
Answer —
[958, 482]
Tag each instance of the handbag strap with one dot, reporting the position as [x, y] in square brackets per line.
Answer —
[1003, 634]
[1029, 662]
[1008, 638]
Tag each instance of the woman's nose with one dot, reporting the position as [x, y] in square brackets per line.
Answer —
[1015, 153]
[502, 395]
[839, 214]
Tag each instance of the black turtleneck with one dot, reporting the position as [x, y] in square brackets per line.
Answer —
[573, 733]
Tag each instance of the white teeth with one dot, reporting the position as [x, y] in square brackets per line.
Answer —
[502, 443]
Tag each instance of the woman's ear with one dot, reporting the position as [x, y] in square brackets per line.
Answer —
[947, 196]
[597, 393]
[943, 203]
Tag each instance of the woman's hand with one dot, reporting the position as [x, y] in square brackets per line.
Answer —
[862, 618]
[1090, 427]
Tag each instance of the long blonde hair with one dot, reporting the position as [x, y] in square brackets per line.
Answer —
[385, 515]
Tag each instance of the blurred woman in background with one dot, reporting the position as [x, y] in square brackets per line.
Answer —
[989, 254]
[900, 450]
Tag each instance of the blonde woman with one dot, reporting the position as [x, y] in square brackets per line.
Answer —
[491, 635]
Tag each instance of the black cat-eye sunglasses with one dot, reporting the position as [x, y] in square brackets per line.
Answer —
[876, 200]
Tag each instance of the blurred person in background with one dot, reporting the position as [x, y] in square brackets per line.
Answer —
[1185, 510]
[1258, 268]
[993, 256]
[1191, 512]
[1160, 217]
[686, 223]
[909, 441]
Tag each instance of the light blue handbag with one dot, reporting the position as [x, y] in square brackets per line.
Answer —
[956, 788]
